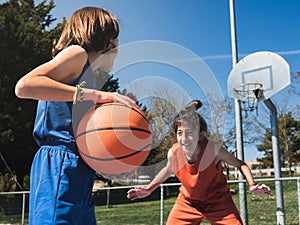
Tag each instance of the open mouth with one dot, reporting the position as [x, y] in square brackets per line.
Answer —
[186, 146]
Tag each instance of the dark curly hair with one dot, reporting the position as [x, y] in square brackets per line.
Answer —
[190, 115]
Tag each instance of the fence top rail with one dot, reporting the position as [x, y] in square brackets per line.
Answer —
[266, 179]
[172, 184]
[14, 192]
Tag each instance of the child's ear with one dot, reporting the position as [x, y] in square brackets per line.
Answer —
[202, 135]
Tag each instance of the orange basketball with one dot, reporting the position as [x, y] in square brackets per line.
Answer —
[113, 138]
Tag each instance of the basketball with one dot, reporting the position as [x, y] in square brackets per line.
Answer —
[113, 138]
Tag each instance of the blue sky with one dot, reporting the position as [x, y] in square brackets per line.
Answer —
[203, 28]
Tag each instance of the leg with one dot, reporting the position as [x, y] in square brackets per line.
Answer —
[61, 187]
[184, 213]
[230, 219]
[223, 213]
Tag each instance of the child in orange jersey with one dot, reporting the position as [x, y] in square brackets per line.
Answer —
[197, 163]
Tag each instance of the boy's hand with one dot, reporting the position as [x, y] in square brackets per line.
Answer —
[261, 190]
[139, 192]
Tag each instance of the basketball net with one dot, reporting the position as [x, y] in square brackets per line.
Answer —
[249, 95]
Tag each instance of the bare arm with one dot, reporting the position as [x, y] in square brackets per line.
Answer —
[164, 173]
[227, 157]
[51, 80]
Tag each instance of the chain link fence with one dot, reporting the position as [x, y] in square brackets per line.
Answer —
[112, 202]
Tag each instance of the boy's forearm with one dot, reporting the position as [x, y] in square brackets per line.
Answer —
[152, 186]
[158, 180]
[245, 170]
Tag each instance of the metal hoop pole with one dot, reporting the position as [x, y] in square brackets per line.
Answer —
[238, 117]
[276, 160]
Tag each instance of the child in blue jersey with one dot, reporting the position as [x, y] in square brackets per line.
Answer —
[61, 183]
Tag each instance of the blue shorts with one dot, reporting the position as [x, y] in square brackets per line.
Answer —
[60, 188]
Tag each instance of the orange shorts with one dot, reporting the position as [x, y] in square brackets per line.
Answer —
[185, 212]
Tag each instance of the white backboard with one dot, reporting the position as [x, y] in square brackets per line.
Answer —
[267, 68]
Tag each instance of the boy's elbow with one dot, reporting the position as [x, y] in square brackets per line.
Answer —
[241, 165]
[20, 89]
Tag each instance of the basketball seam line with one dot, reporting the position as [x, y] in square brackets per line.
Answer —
[112, 103]
[113, 128]
[116, 158]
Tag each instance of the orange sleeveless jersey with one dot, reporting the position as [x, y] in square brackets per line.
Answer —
[203, 181]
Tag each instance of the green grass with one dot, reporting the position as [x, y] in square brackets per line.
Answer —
[134, 213]
[261, 210]
[142, 213]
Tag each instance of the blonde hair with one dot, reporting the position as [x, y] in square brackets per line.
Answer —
[91, 28]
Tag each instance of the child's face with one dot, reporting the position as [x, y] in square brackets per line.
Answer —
[187, 138]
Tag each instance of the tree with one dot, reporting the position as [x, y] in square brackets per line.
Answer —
[161, 122]
[160, 110]
[266, 147]
[106, 81]
[25, 43]
[294, 92]
[289, 139]
[289, 130]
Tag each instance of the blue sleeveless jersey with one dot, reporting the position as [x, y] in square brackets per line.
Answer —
[56, 122]
[60, 182]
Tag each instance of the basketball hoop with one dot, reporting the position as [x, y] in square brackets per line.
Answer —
[249, 94]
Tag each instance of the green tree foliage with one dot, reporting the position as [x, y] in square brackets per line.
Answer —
[25, 43]
[289, 142]
[161, 117]
[106, 81]
[160, 110]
